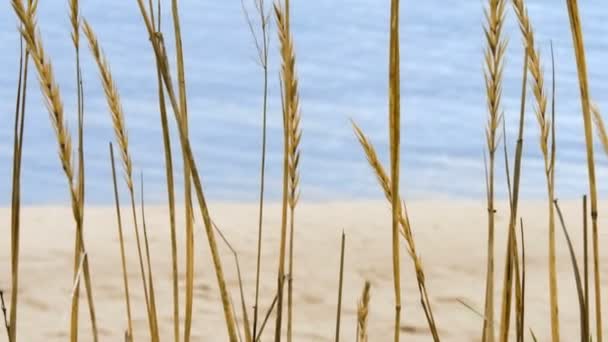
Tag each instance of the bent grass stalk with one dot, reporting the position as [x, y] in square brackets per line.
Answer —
[405, 227]
[54, 103]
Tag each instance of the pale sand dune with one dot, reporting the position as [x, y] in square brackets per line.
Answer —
[451, 237]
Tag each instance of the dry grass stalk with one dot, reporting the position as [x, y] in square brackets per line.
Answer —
[118, 121]
[494, 56]
[75, 34]
[405, 227]
[54, 103]
[189, 214]
[123, 259]
[246, 323]
[598, 121]
[545, 124]
[262, 50]
[292, 135]
[18, 130]
[522, 302]
[586, 263]
[155, 336]
[340, 287]
[295, 136]
[581, 63]
[159, 53]
[511, 247]
[6, 324]
[577, 278]
[170, 188]
[394, 105]
[363, 313]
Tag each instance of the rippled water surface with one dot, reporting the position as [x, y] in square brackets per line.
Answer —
[342, 63]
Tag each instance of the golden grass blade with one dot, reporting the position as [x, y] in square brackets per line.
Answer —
[121, 240]
[16, 187]
[246, 323]
[118, 121]
[340, 286]
[581, 64]
[159, 53]
[54, 103]
[181, 80]
[505, 317]
[494, 56]
[363, 313]
[577, 276]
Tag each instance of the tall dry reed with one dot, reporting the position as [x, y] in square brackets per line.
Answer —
[581, 65]
[120, 131]
[18, 130]
[548, 151]
[262, 43]
[54, 103]
[161, 57]
[292, 136]
[494, 66]
[123, 259]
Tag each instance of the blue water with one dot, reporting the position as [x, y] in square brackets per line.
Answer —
[342, 63]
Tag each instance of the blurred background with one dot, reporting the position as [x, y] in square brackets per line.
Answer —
[342, 63]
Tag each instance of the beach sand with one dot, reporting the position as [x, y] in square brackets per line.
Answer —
[450, 235]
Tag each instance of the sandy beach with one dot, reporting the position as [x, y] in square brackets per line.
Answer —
[451, 238]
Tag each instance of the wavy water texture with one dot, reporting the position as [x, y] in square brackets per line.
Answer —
[342, 66]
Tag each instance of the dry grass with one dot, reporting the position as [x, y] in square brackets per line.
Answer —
[54, 104]
[548, 151]
[514, 282]
[120, 131]
[291, 136]
[494, 65]
[363, 313]
[262, 42]
[581, 64]
[122, 247]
